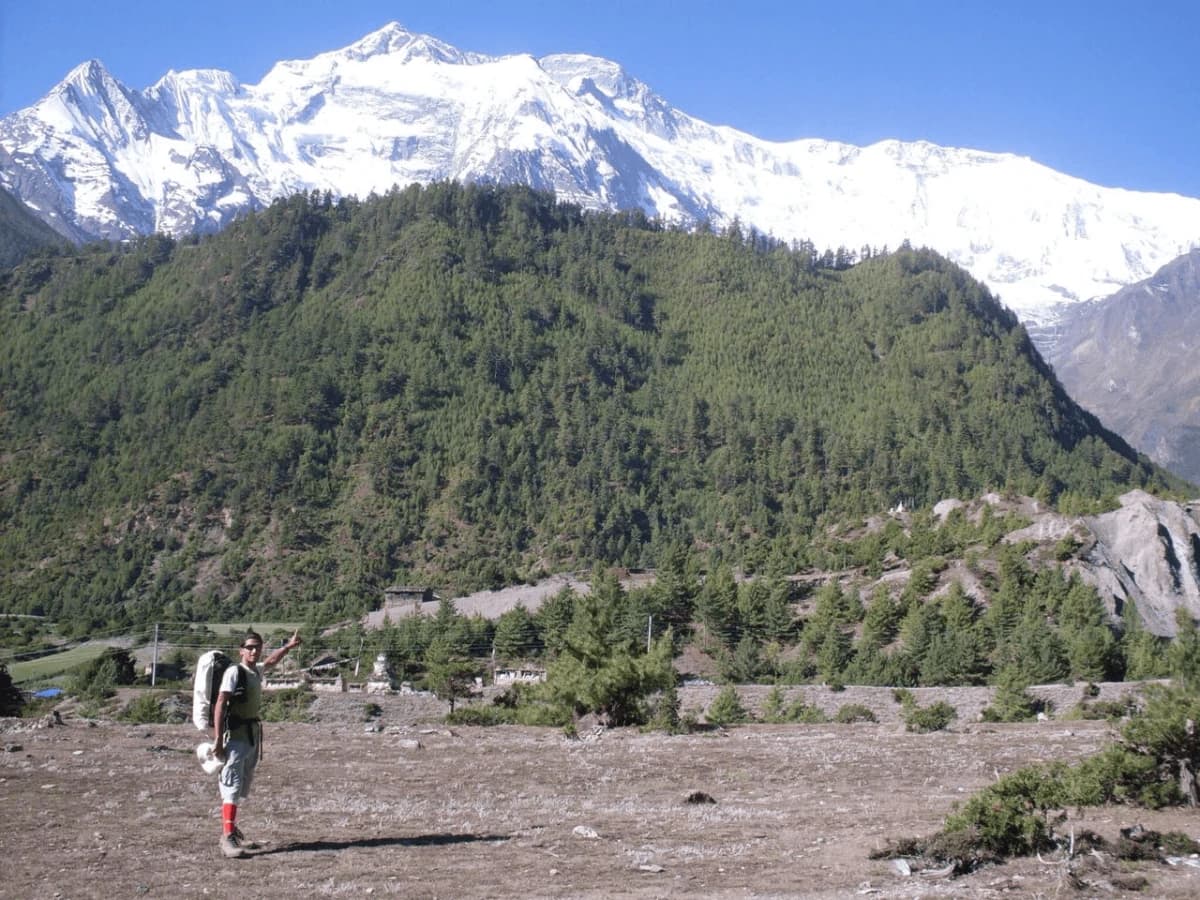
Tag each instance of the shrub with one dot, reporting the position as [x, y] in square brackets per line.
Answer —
[543, 715]
[519, 705]
[776, 709]
[903, 696]
[924, 719]
[773, 709]
[1166, 732]
[151, 709]
[1013, 816]
[1112, 710]
[371, 711]
[726, 708]
[664, 711]
[1119, 775]
[1011, 701]
[482, 715]
[286, 705]
[1153, 765]
[805, 713]
[854, 712]
[98, 679]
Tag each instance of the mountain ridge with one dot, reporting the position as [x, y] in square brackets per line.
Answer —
[198, 148]
[463, 385]
[1130, 359]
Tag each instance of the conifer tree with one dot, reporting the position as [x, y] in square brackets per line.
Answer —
[592, 674]
[1145, 654]
[516, 635]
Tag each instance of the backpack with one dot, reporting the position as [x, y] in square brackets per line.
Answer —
[210, 669]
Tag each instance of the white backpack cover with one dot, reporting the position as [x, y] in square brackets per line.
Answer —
[210, 668]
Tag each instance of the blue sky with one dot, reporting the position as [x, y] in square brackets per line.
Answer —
[1106, 91]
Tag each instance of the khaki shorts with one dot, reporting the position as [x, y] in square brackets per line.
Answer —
[241, 757]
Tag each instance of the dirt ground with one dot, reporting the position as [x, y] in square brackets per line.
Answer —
[410, 807]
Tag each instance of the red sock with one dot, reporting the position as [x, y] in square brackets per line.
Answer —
[228, 817]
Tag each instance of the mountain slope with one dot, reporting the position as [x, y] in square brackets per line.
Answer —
[198, 148]
[1132, 360]
[22, 233]
[464, 385]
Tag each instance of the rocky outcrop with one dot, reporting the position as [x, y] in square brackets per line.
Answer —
[1148, 553]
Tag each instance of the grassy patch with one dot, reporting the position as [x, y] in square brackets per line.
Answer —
[47, 667]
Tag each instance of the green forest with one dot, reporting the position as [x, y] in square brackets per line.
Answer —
[472, 386]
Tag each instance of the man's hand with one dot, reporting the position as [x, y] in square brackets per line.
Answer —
[294, 640]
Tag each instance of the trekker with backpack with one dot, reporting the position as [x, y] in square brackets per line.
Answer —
[237, 732]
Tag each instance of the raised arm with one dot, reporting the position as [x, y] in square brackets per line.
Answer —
[277, 655]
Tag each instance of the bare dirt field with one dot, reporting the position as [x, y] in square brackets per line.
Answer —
[410, 807]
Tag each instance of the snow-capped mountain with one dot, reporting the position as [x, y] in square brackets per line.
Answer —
[97, 159]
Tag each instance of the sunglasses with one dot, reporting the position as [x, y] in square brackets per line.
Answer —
[251, 646]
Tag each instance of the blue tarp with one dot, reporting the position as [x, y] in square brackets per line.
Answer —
[48, 692]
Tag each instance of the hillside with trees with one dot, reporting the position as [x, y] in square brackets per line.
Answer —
[468, 386]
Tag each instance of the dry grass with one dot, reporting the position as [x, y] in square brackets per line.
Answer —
[125, 811]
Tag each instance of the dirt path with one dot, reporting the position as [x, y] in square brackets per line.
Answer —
[425, 811]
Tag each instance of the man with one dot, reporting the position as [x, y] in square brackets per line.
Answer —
[237, 732]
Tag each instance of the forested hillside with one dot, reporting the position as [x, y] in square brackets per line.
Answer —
[465, 386]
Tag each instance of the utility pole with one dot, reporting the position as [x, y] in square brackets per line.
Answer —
[649, 631]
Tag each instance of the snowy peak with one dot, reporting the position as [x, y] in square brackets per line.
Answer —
[96, 105]
[405, 46]
[396, 107]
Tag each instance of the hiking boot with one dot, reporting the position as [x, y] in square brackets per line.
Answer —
[244, 842]
[231, 848]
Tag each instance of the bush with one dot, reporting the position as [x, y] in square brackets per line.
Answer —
[1118, 775]
[482, 715]
[1011, 701]
[1153, 766]
[1166, 732]
[1112, 710]
[1013, 816]
[519, 705]
[155, 708]
[773, 709]
[98, 679]
[727, 708]
[854, 712]
[924, 719]
[776, 710]
[664, 711]
[287, 705]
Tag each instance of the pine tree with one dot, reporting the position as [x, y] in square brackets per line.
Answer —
[553, 618]
[591, 674]
[516, 635]
[716, 607]
[449, 673]
[727, 708]
[1145, 654]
